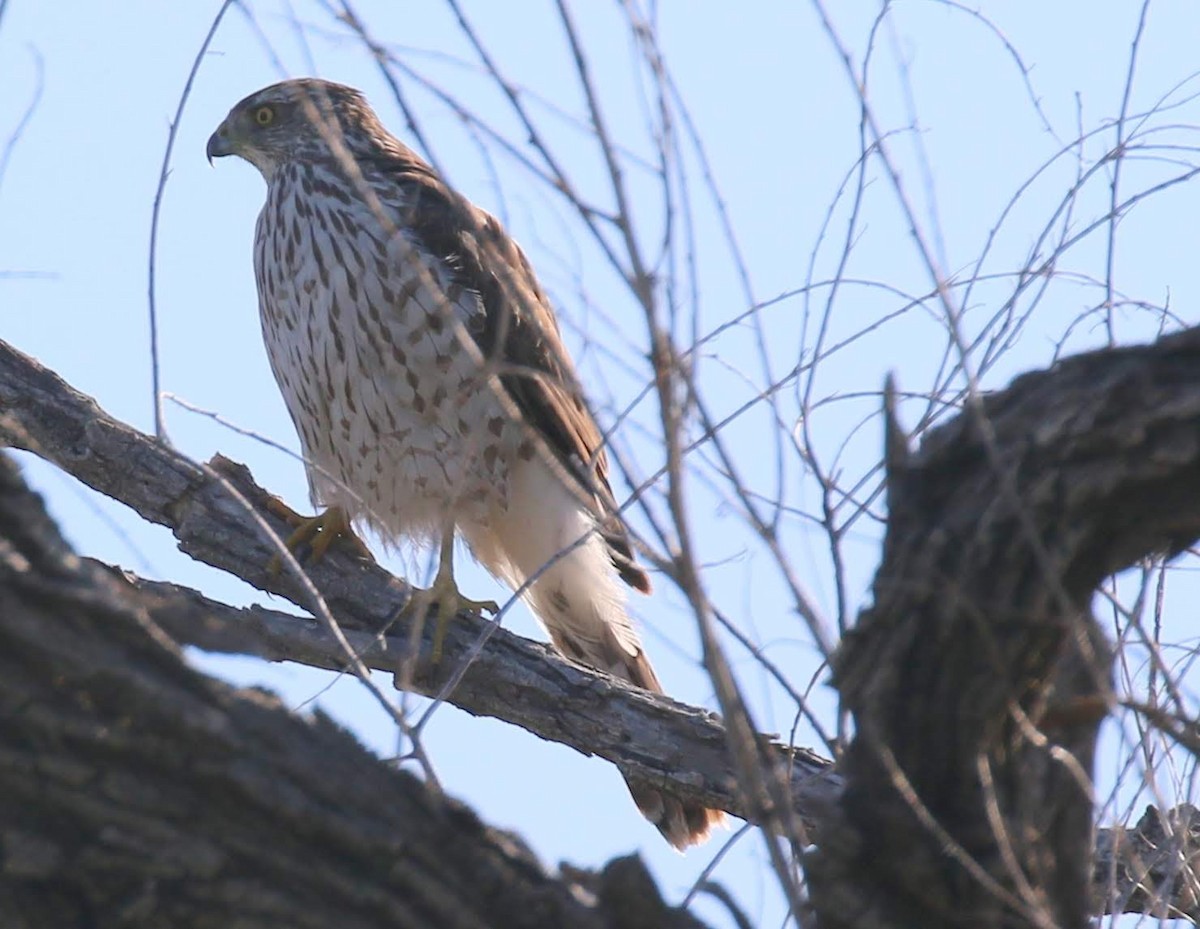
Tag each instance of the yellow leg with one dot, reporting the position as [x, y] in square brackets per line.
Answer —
[445, 593]
[320, 531]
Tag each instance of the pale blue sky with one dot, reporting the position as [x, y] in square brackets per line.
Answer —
[780, 126]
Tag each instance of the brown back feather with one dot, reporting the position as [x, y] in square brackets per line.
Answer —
[517, 330]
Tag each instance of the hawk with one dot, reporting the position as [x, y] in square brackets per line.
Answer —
[422, 365]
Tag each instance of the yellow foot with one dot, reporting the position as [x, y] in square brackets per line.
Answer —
[445, 600]
[320, 532]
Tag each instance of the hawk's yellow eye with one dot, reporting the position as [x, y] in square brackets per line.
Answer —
[264, 115]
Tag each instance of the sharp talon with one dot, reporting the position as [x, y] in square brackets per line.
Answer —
[320, 544]
[319, 532]
[445, 593]
[451, 609]
[445, 601]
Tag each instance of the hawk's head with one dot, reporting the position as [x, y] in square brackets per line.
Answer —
[306, 118]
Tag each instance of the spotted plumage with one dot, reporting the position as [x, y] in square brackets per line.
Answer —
[423, 368]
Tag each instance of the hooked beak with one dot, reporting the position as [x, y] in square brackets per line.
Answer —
[219, 145]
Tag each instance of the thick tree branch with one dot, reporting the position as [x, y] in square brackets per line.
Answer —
[1152, 868]
[513, 679]
[978, 679]
[1148, 869]
[136, 792]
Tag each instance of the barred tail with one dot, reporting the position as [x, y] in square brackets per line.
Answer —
[580, 600]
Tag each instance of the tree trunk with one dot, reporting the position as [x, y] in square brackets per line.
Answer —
[978, 679]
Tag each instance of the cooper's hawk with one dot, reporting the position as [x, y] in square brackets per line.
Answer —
[423, 368]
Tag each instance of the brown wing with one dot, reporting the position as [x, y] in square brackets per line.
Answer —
[518, 330]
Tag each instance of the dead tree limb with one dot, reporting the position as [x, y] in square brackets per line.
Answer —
[978, 679]
[1040, 417]
[659, 739]
[136, 792]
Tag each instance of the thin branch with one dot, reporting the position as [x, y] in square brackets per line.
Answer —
[160, 426]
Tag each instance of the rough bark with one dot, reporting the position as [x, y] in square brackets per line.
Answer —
[936, 663]
[978, 678]
[1153, 867]
[136, 792]
[511, 679]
